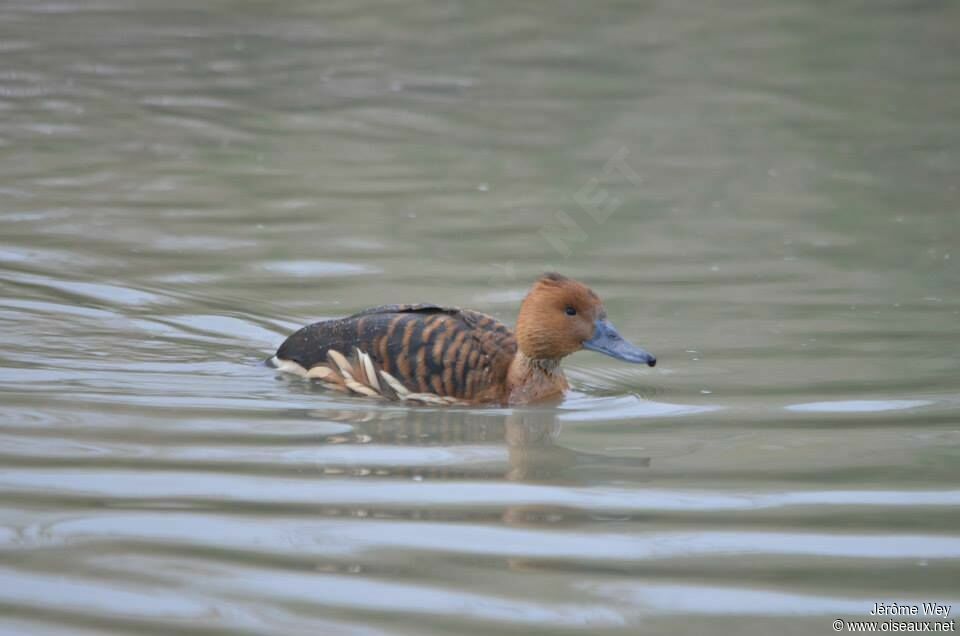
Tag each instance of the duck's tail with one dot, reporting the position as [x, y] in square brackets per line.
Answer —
[360, 375]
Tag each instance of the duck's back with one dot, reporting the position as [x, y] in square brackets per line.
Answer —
[430, 350]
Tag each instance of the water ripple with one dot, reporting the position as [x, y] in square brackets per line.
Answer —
[858, 406]
[374, 492]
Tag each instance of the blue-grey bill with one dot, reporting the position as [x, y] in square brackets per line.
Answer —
[607, 340]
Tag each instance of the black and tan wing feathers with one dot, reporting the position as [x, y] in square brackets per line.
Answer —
[423, 353]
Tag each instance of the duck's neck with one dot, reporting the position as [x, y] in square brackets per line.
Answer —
[534, 379]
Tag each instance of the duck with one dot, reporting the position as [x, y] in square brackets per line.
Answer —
[436, 355]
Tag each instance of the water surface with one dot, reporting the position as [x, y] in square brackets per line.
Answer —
[765, 196]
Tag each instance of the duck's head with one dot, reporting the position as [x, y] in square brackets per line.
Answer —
[561, 316]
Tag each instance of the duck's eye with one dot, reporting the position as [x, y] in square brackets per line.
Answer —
[571, 311]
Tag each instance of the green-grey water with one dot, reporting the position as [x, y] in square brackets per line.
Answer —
[765, 195]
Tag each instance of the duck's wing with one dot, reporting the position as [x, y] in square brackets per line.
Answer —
[422, 352]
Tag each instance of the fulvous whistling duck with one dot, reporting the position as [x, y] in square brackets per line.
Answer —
[445, 355]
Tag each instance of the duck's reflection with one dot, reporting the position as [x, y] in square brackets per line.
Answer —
[519, 445]
[474, 446]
